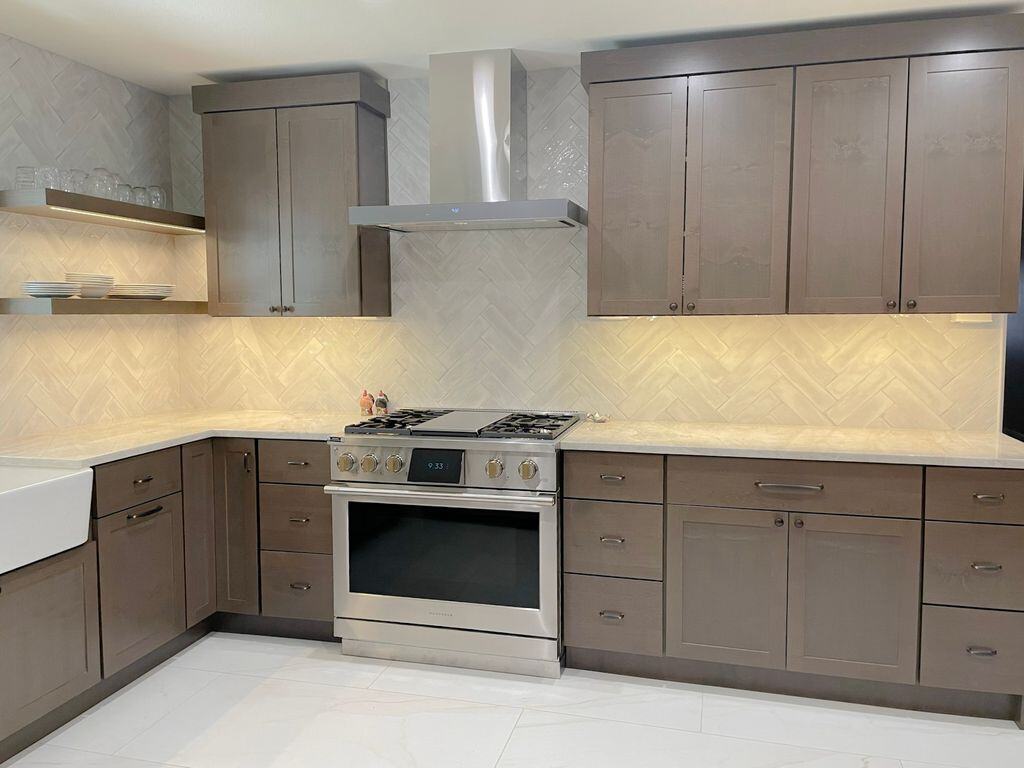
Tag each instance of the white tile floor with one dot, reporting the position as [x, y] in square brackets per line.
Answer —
[239, 701]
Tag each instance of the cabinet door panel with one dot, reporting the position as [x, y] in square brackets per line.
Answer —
[965, 176]
[200, 529]
[637, 149]
[737, 192]
[849, 138]
[238, 563]
[725, 585]
[854, 596]
[243, 248]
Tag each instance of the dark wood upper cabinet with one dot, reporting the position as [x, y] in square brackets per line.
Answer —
[737, 192]
[965, 180]
[849, 133]
[199, 523]
[237, 524]
[636, 177]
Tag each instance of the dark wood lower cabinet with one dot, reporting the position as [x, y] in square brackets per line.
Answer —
[142, 580]
[200, 531]
[49, 636]
[237, 523]
[297, 585]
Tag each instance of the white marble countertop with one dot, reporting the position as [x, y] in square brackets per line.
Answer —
[885, 446]
[87, 446]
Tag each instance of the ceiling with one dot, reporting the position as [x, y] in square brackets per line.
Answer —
[168, 45]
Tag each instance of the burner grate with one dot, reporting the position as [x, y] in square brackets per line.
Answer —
[543, 426]
[397, 423]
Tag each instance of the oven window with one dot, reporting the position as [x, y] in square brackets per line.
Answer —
[463, 555]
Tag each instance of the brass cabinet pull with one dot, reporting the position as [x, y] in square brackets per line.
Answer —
[614, 615]
[798, 523]
[613, 540]
[300, 520]
[298, 463]
[987, 567]
[779, 522]
[301, 586]
[142, 480]
[140, 515]
[992, 498]
[764, 486]
[613, 478]
[980, 650]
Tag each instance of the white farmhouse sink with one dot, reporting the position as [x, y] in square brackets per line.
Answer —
[43, 511]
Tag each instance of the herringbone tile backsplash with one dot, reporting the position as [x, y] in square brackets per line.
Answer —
[480, 319]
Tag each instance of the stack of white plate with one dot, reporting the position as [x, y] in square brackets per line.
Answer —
[46, 290]
[155, 291]
[90, 286]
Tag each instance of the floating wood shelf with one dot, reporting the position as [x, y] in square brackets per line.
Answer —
[29, 306]
[56, 204]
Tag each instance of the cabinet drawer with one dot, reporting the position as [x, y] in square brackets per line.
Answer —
[974, 495]
[614, 476]
[304, 462]
[297, 585]
[125, 483]
[970, 564]
[879, 490]
[295, 519]
[971, 649]
[608, 538]
[613, 614]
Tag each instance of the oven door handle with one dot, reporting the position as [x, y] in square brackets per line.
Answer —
[442, 498]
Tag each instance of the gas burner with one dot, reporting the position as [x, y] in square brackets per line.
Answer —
[397, 423]
[539, 426]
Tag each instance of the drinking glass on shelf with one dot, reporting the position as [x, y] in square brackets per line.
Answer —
[79, 177]
[157, 196]
[101, 183]
[25, 177]
[47, 177]
[123, 193]
[140, 196]
[67, 180]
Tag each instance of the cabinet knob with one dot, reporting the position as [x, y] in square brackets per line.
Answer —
[288, 308]
[911, 303]
[891, 304]
[779, 522]
[673, 306]
[798, 523]
[690, 307]
[274, 309]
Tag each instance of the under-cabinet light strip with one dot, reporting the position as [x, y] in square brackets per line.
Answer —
[98, 215]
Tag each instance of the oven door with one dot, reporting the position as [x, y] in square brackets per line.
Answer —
[447, 557]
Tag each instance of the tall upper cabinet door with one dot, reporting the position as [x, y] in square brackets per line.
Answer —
[330, 157]
[965, 180]
[637, 161]
[849, 136]
[242, 237]
[737, 192]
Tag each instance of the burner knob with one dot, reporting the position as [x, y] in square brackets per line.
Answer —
[494, 468]
[369, 463]
[528, 469]
[394, 463]
[347, 462]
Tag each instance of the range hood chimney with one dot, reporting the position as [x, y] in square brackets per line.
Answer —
[477, 154]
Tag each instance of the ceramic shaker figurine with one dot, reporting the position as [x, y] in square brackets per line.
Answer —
[382, 402]
[366, 404]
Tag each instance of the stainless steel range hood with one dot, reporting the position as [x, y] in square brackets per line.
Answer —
[477, 154]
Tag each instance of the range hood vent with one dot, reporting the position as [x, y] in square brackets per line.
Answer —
[477, 154]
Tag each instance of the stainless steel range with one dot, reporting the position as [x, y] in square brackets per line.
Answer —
[446, 538]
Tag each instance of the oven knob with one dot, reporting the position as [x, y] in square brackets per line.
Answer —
[394, 463]
[347, 462]
[369, 463]
[494, 468]
[528, 469]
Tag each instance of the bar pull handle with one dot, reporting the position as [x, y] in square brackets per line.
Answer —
[980, 650]
[140, 515]
[299, 520]
[301, 586]
[298, 463]
[613, 615]
[987, 567]
[246, 464]
[613, 478]
[764, 486]
[142, 480]
[613, 540]
[990, 498]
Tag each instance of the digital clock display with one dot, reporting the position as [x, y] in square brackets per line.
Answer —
[435, 465]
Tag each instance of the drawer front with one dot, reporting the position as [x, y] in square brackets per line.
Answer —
[974, 495]
[877, 490]
[295, 519]
[125, 483]
[614, 476]
[973, 650]
[607, 538]
[975, 565]
[613, 614]
[303, 462]
[297, 585]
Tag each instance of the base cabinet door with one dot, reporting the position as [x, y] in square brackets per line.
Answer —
[237, 524]
[49, 636]
[854, 596]
[142, 580]
[725, 585]
[199, 524]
